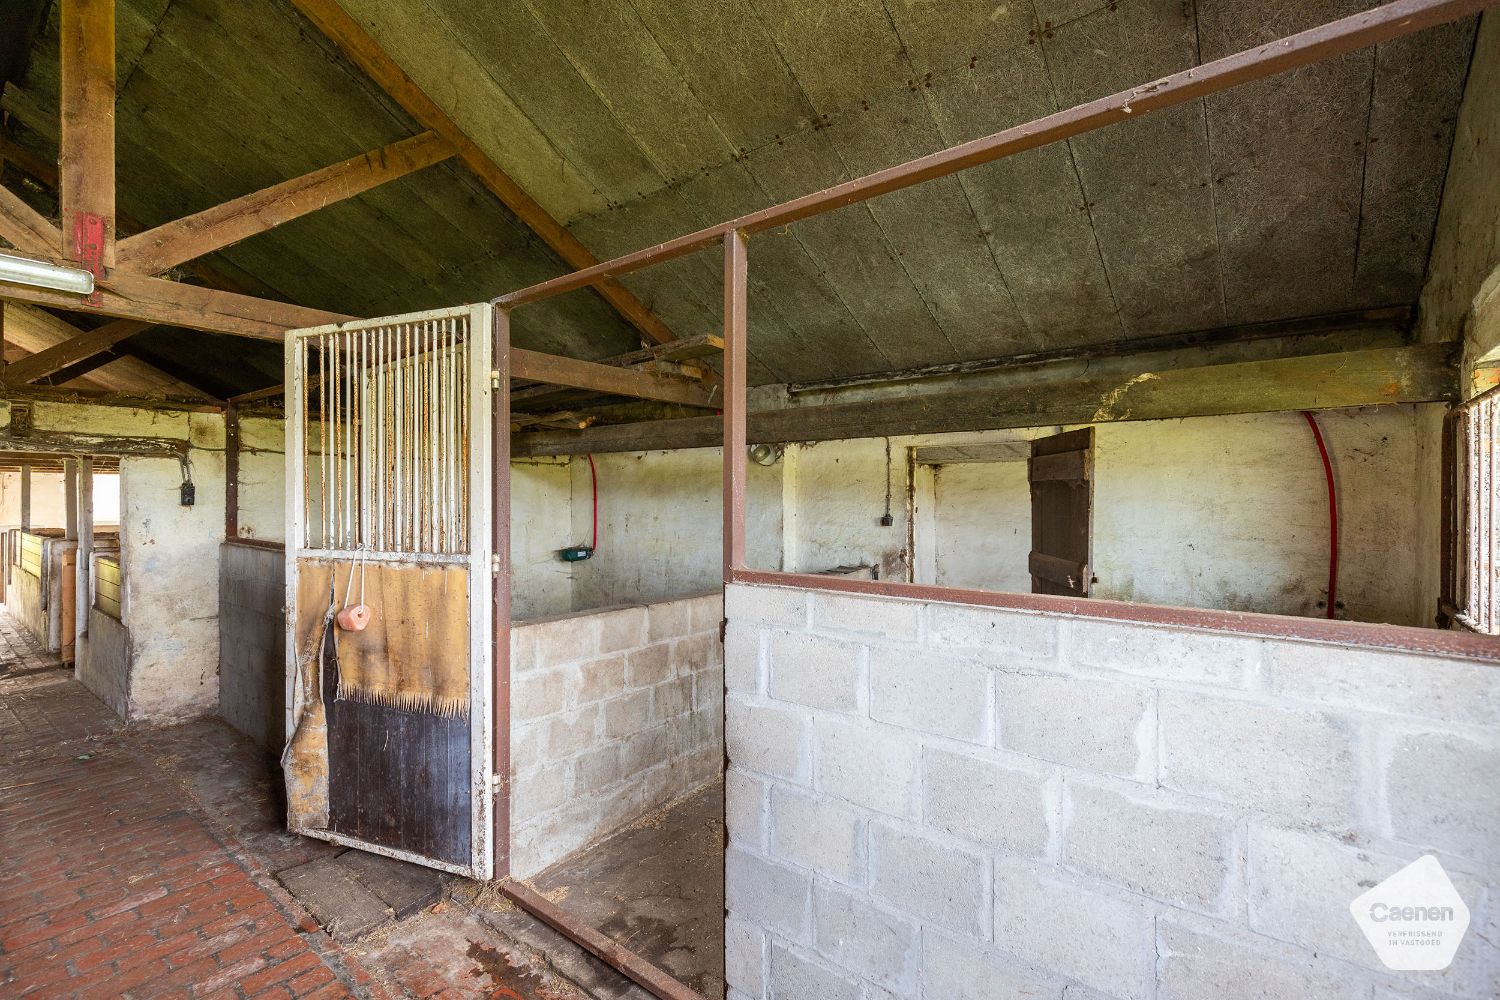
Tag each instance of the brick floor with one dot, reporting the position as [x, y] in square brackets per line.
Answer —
[20, 651]
[138, 862]
[111, 887]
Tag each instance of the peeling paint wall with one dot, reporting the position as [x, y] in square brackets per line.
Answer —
[48, 500]
[263, 478]
[661, 525]
[169, 554]
[541, 510]
[1218, 512]
[169, 558]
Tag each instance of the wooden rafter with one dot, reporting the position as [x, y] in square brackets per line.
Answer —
[71, 352]
[1417, 373]
[554, 369]
[361, 49]
[25, 228]
[158, 249]
[86, 160]
[172, 303]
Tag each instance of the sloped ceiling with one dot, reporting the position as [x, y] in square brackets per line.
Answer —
[635, 121]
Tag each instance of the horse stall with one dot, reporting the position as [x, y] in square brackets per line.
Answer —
[426, 724]
[40, 592]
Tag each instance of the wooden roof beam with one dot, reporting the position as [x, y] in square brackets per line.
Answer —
[554, 369]
[71, 352]
[168, 245]
[86, 160]
[1416, 373]
[362, 49]
[171, 303]
[25, 228]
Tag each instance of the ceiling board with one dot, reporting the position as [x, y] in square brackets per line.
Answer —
[639, 120]
[1148, 182]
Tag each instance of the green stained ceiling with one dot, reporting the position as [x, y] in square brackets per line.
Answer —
[635, 121]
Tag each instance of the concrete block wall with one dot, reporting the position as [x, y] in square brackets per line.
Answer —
[946, 802]
[252, 642]
[614, 713]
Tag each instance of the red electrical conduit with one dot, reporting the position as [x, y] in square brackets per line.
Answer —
[594, 479]
[1333, 513]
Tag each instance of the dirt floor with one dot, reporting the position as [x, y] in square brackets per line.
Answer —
[143, 862]
[657, 887]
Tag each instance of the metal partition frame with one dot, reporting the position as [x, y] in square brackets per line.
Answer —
[1391, 21]
[473, 551]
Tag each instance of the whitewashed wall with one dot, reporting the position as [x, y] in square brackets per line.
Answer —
[48, 500]
[263, 478]
[957, 803]
[1217, 512]
[541, 507]
[661, 524]
[168, 553]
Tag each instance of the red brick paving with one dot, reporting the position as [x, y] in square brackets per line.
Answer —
[110, 887]
[136, 863]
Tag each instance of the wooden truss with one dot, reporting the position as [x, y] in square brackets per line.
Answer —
[126, 269]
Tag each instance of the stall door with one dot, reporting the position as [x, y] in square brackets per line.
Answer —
[388, 587]
[1061, 472]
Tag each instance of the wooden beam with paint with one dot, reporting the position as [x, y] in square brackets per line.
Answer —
[1417, 373]
[366, 53]
[172, 303]
[71, 352]
[25, 228]
[167, 245]
[557, 370]
[86, 160]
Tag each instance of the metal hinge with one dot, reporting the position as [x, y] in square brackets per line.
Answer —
[494, 379]
[494, 564]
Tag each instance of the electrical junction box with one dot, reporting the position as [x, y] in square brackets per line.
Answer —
[577, 553]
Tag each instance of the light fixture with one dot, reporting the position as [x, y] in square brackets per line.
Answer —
[24, 271]
[765, 454]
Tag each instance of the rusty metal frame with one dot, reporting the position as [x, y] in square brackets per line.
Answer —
[1385, 23]
[591, 939]
[1462, 464]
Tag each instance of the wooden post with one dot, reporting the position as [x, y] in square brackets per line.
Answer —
[86, 157]
[735, 334]
[84, 575]
[70, 499]
[231, 471]
[25, 497]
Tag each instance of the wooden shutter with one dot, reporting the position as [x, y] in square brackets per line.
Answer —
[1061, 472]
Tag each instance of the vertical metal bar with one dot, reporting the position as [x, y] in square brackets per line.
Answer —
[297, 399]
[378, 541]
[1492, 438]
[430, 465]
[84, 567]
[398, 425]
[501, 598]
[231, 471]
[325, 386]
[366, 444]
[736, 332]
